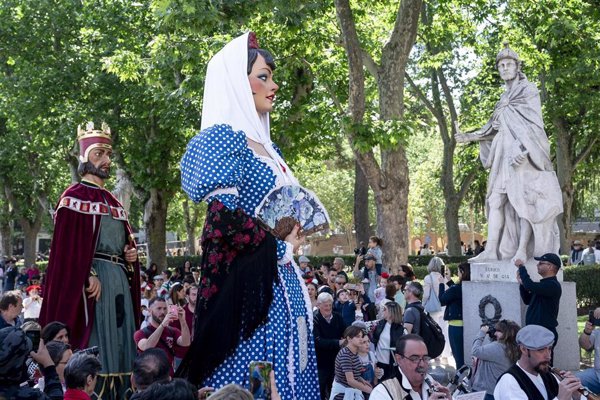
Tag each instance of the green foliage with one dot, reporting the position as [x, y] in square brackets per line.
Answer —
[587, 279]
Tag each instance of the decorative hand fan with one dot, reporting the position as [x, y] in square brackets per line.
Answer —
[286, 206]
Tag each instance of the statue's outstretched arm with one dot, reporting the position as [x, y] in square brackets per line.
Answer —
[476, 136]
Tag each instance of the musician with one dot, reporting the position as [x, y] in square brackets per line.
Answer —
[531, 378]
[411, 381]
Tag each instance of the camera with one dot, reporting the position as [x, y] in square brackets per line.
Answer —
[360, 251]
[95, 351]
[492, 333]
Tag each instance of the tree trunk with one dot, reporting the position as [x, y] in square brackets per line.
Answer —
[190, 226]
[30, 233]
[155, 224]
[362, 226]
[123, 189]
[6, 226]
[391, 201]
[452, 228]
[30, 228]
[389, 180]
[564, 172]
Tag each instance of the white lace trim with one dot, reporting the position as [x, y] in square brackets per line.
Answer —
[290, 357]
[288, 256]
[229, 190]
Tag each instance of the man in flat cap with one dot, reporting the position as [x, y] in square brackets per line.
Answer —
[530, 378]
[542, 297]
[303, 260]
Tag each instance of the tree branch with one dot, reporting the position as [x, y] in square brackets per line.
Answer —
[371, 65]
[466, 183]
[421, 95]
[354, 52]
[448, 96]
[586, 151]
[403, 35]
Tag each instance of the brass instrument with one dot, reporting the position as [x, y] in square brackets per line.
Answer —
[583, 390]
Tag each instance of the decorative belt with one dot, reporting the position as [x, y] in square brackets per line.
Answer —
[113, 258]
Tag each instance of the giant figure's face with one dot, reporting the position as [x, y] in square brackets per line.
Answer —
[262, 85]
[508, 68]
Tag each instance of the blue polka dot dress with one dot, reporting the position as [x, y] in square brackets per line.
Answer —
[219, 164]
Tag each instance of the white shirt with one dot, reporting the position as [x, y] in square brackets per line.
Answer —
[596, 255]
[380, 392]
[382, 353]
[508, 388]
[31, 309]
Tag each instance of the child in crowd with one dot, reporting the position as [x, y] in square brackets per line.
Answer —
[348, 368]
[380, 294]
[32, 304]
[345, 307]
[374, 245]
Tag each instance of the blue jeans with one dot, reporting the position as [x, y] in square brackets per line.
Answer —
[455, 334]
[590, 379]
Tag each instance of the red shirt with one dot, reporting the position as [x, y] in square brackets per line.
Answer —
[76, 394]
[167, 342]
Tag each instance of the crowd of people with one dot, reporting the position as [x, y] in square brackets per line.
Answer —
[40, 362]
[109, 328]
[364, 347]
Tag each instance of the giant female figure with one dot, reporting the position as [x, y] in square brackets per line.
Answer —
[252, 304]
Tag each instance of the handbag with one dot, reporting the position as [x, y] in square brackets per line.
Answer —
[433, 302]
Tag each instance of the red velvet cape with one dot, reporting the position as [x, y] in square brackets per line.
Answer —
[76, 230]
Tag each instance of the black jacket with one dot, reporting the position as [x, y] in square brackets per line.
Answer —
[327, 339]
[396, 331]
[52, 388]
[452, 299]
[543, 299]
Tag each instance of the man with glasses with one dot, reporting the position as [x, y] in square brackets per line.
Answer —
[411, 380]
[530, 377]
[413, 292]
[542, 297]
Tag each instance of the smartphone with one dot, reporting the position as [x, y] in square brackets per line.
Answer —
[594, 321]
[34, 336]
[173, 310]
[260, 380]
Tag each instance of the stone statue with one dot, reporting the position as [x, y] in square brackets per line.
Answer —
[523, 196]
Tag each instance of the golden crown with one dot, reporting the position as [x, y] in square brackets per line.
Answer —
[89, 131]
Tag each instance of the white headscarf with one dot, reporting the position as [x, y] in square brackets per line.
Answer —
[228, 100]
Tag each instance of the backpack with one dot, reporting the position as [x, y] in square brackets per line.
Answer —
[430, 331]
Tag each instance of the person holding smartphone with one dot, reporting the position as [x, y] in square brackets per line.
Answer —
[590, 341]
[159, 334]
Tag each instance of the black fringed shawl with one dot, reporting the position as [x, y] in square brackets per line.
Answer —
[239, 265]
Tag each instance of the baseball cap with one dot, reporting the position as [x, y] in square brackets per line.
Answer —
[369, 257]
[303, 259]
[551, 258]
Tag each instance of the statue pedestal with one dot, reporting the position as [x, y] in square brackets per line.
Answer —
[504, 271]
[485, 299]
